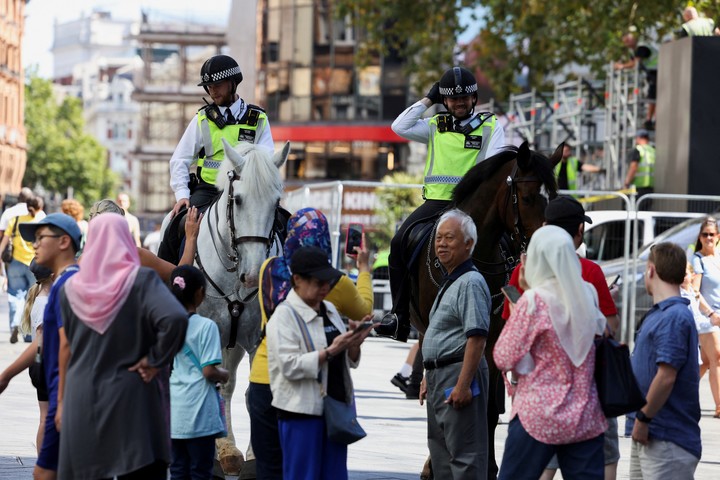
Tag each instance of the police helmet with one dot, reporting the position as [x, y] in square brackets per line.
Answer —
[219, 68]
[458, 82]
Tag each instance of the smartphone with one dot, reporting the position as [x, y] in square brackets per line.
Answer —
[511, 293]
[614, 281]
[353, 238]
[363, 326]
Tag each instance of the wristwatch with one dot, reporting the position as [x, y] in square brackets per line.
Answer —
[641, 417]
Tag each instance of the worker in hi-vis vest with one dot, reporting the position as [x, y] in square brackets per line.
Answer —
[457, 140]
[567, 170]
[641, 168]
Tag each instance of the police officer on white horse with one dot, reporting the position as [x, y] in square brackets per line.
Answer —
[457, 140]
[229, 117]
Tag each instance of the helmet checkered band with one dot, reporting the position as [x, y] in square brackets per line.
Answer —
[458, 89]
[222, 75]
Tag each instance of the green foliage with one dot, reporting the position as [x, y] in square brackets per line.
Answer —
[394, 205]
[60, 154]
[422, 31]
[541, 36]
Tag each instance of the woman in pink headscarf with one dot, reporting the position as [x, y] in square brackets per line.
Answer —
[122, 325]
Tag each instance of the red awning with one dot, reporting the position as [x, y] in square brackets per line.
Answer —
[335, 133]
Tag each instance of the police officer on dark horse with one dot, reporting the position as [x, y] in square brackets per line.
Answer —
[228, 117]
[457, 140]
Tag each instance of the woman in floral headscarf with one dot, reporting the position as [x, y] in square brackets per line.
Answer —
[306, 228]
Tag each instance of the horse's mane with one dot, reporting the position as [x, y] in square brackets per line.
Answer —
[487, 168]
[259, 173]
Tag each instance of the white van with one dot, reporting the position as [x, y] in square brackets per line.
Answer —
[604, 238]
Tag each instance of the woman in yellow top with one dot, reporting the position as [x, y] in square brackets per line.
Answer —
[19, 276]
[307, 227]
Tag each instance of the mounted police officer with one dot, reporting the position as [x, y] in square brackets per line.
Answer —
[227, 117]
[457, 140]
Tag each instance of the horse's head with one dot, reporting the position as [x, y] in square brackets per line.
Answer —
[251, 185]
[531, 185]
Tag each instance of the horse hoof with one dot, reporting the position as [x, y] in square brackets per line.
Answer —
[232, 464]
[427, 473]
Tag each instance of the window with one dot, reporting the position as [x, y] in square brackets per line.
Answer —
[606, 241]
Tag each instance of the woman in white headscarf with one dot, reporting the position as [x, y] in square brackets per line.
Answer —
[548, 344]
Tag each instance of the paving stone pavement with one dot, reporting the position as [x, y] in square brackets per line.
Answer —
[396, 445]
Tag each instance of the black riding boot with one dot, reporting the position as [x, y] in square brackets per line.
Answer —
[397, 323]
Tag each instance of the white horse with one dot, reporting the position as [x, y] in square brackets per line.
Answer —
[236, 236]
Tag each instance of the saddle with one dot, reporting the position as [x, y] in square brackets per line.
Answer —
[415, 237]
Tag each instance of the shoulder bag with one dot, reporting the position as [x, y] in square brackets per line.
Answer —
[340, 418]
[7, 254]
[616, 384]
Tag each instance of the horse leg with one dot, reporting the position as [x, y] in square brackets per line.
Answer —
[231, 459]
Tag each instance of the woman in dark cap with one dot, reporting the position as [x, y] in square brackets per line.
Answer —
[301, 374]
[32, 322]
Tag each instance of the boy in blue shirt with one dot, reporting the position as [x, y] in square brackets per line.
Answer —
[56, 240]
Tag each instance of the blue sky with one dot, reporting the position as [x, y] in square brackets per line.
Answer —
[40, 16]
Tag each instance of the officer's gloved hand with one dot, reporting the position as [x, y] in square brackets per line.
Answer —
[434, 93]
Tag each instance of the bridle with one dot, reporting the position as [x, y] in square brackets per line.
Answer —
[512, 195]
[234, 255]
[235, 307]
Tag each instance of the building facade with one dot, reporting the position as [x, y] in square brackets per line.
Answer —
[94, 59]
[167, 92]
[13, 147]
[336, 115]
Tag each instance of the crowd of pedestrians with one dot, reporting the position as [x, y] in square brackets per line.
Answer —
[146, 385]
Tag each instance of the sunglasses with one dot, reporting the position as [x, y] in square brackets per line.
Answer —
[707, 234]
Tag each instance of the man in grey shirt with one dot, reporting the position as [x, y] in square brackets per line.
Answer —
[456, 381]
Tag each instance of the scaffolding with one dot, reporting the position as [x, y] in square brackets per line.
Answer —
[528, 119]
[622, 109]
[598, 118]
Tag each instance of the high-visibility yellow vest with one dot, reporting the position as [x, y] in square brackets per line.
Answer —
[245, 130]
[652, 62]
[451, 154]
[699, 27]
[571, 170]
[645, 174]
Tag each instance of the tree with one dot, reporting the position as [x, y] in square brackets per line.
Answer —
[535, 37]
[394, 205]
[60, 154]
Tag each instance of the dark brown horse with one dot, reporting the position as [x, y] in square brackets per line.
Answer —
[505, 194]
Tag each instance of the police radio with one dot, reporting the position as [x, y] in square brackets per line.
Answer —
[474, 123]
[213, 113]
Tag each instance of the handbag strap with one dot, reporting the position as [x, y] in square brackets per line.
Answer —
[303, 329]
[306, 339]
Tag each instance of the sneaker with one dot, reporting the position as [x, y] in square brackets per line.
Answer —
[14, 335]
[401, 382]
[27, 338]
